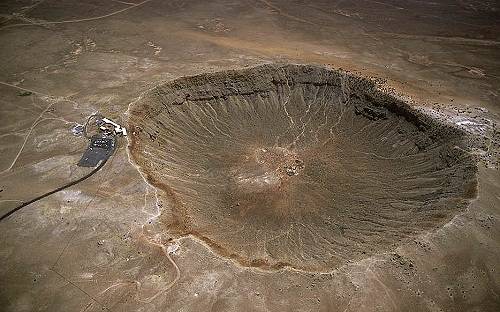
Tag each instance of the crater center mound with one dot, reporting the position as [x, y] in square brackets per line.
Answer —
[297, 166]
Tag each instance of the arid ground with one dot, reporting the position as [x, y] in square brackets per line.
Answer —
[282, 155]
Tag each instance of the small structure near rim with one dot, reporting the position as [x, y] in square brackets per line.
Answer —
[103, 143]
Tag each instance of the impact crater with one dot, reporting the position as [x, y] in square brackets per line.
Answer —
[297, 166]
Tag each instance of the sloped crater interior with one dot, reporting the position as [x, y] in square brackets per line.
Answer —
[297, 166]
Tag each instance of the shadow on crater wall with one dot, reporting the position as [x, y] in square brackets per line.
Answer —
[297, 166]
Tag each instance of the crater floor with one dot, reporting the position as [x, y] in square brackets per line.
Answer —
[297, 166]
